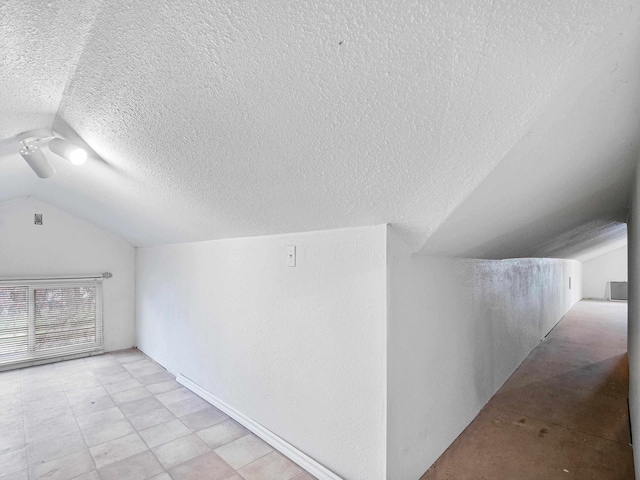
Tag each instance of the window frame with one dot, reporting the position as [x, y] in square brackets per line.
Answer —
[33, 356]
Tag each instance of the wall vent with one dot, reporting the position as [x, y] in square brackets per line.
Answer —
[618, 291]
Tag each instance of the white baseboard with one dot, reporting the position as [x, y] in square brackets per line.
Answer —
[284, 447]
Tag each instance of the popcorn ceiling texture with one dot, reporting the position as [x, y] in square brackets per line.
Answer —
[41, 44]
[219, 120]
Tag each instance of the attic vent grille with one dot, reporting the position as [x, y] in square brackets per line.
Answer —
[47, 320]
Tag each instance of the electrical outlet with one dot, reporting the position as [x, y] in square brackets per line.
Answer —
[37, 219]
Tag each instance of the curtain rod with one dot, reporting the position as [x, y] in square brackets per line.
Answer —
[100, 276]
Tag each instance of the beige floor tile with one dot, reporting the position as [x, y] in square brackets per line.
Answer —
[222, 433]
[14, 461]
[140, 406]
[100, 361]
[304, 476]
[68, 369]
[137, 467]
[55, 401]
[134, 357]
[122, 385]
[92, 405]
[36, 382]
[23, 475]
[143, 372]
[131, 395]
[52, 428]
[143, 368]
[101, 417]
[85, 406]
[33, 419]
[125, 352]
[163, 433]
[70, 466]
[11, 405]
[179, 450]
[185, 407]
[107, 432]
[243, 451]
[108, 371]
[87, 394]
[37, 370]
[117, 449]
[106, 439]
[151, 418]
[10, 391]
[11, 417]
[140, 364]
[158, 377]
[9, 376]
[71, 376]
[76, 363]
[273, 466]
[9, 384]
[203, 418]
[174, 396]
[163, 387]
[41, 451]
[41, 373]
[42, 393]
[81, 378]
[79, 386]
[12, 438]
[208, 466]
[88, 476]
[233, 476]
[161, 476]
[125, 382]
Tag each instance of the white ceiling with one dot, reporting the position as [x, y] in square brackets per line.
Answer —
[477, 128]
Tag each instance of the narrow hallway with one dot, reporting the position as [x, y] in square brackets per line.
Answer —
[561, 415]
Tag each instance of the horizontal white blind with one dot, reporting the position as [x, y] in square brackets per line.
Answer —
[14, 322]
[49, 320]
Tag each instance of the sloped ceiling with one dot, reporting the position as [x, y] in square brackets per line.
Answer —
[477, 128]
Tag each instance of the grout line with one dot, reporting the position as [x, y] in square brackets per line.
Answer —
[95, 468]
[24, 427]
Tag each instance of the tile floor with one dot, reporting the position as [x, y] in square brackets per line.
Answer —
[561, 415]
[121, 416]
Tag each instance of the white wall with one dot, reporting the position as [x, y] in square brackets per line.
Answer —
[610, 267]
[299, 350]
[65, 245]
[633, 336]
[457, 330]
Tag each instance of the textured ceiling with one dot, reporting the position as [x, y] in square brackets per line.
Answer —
[478, 128]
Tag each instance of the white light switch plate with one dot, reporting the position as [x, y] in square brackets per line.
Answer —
[291, 256]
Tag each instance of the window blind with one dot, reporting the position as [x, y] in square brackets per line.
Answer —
[43, 320]
[14, 322]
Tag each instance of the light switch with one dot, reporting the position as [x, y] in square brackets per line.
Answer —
[291, 256]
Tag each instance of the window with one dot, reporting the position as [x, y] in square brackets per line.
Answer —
[41, 319]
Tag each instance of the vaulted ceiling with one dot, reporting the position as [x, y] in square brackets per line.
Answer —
[477, 128]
